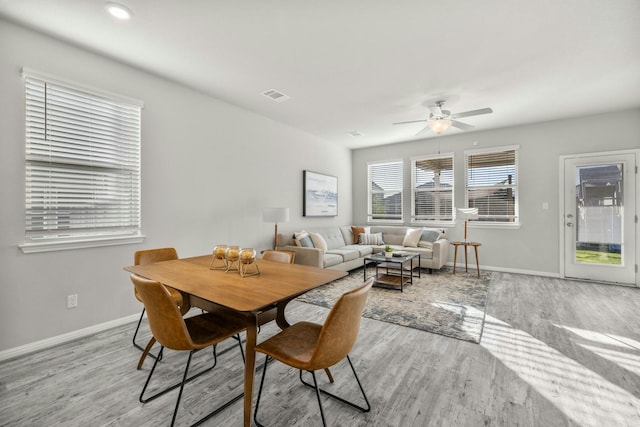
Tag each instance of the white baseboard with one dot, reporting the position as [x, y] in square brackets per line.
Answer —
[60, 339]
[505, 270]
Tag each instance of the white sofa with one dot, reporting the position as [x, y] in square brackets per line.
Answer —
[342, 254]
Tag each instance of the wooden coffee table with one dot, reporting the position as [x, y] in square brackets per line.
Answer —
[397, 270]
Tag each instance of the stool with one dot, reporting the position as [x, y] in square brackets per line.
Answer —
[465, 245]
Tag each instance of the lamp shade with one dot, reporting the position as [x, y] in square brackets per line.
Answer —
[275, 215]
[439, 125]
[467, 213]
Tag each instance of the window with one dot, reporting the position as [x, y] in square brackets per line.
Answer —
[385, 191]
[432, 182]
[82, 166]
[492, 184]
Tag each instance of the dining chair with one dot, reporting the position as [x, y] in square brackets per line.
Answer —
[149, 256]
[279, 256]
[175, 332]
[308, 346]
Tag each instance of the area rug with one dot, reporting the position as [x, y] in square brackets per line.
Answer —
[440, 303]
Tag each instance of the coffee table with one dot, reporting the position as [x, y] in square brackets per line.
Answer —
[398, 270]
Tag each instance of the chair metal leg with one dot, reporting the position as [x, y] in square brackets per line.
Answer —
[186, 379]
[363, 409]
[315, 386]
[145, 350]
[255, 411]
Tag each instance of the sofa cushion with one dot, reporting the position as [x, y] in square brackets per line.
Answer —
[426, 245]
[412, 237]
[318, 241]
[356, 233]
[345, 253]
[363, 250]
[370, 239]
[330, 260]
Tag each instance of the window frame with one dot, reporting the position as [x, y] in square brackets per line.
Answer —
[82, 166]
[371, 192]
[479, 223]
[415, 190]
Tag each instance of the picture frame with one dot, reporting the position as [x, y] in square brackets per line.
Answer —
[320, 194]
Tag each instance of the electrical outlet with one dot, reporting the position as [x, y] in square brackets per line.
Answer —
[72, 301]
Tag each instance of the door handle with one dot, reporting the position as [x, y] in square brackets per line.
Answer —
[569, 224]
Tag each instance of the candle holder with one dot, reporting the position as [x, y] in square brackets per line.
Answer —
[248, 265]
[232, 258]
[218, 262]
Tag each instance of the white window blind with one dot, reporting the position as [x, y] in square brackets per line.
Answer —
[432, 181]
[385, 191]
[492, 184]
[82, 164]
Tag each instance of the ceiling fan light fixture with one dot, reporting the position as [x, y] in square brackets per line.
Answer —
[439, 126]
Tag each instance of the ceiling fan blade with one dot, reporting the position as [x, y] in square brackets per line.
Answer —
[411, 121]
[422, 130]
[472, 113]
[461, 125]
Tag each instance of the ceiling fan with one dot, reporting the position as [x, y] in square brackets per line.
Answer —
[440, 120]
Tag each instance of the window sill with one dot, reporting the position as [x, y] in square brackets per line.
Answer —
[59, 245]
[495, 225]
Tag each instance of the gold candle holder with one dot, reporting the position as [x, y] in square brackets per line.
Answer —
[248, 265]
[232, 257]
[218, 262]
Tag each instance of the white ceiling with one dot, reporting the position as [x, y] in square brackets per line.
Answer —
[361, 65]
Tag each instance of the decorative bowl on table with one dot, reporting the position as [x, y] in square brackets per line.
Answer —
[219, 261]
[248, 266]
[232, 256]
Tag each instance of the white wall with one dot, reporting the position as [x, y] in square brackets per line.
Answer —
[209, 168]
[534, 246]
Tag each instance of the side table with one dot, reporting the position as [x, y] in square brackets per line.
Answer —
[465, 245]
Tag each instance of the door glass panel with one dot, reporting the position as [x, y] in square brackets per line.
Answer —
[599, 214]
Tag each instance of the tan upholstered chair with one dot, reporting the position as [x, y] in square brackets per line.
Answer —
[309, 346]
[149, 256]
[187, 334]
[279, 256]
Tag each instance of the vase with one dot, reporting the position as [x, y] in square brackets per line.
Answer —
[388, 255]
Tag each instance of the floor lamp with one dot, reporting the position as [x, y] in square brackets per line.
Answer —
[467, 214]
[275, 215]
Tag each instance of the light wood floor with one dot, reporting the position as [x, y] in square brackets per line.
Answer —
[553, 353]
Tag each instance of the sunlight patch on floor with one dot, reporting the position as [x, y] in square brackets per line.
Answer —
[581, 394]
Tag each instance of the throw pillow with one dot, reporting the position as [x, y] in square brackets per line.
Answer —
[371, 239]
[430, 234]
[412, 237]
[303, 239]
[356, 233]
[318, 241]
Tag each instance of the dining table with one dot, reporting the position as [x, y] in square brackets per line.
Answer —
[276, 285]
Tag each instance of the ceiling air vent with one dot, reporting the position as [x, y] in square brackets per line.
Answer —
[275, 95]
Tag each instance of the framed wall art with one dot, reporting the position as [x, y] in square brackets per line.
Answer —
[320, 194]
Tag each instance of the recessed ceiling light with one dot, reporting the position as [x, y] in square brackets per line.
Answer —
[118, 11]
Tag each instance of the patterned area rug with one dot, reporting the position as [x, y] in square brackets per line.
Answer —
[441, 303]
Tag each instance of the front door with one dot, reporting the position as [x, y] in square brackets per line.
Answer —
[600, 217]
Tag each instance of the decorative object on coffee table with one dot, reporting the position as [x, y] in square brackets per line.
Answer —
[218, 262]
[247, 263]
[388, 251]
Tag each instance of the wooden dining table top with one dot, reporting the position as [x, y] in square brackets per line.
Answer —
[276, 282]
